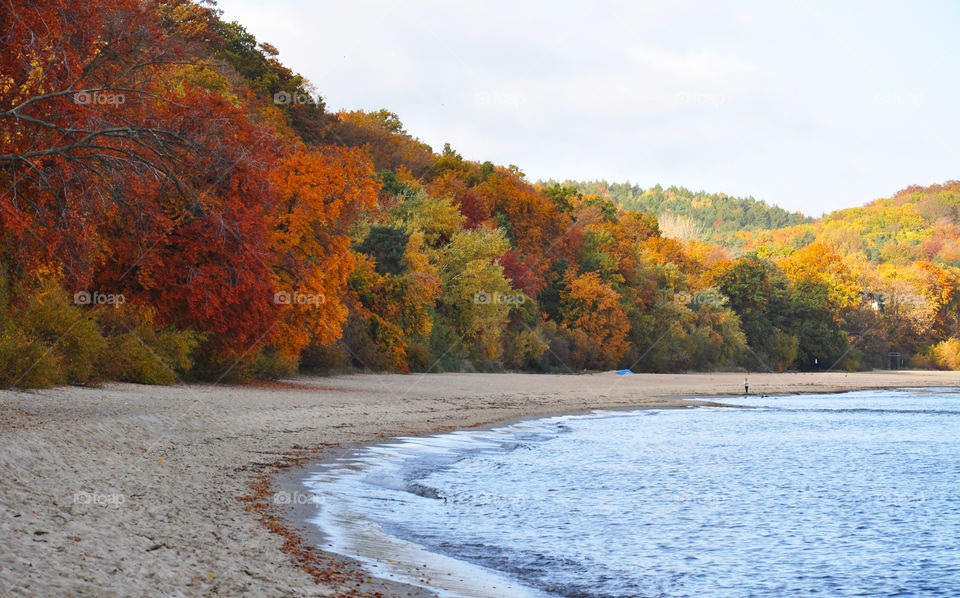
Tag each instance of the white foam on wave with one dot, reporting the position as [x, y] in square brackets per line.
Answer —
[351, 533]
[354, 535]
[385, 556]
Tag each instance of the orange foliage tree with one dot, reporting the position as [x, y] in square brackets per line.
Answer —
[318, 195]
[593, 308]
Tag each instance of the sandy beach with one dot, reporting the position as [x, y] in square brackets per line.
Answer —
[138, 490]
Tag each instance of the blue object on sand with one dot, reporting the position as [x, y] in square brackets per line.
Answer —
[622, 372]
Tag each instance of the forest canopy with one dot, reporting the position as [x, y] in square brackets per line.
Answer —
[179, 204]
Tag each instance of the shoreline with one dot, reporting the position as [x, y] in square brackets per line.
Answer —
[299, 516]
[128, 489]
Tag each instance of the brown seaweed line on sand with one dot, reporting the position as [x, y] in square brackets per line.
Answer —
[322, 568]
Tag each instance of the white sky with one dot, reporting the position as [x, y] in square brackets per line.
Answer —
[812, 106]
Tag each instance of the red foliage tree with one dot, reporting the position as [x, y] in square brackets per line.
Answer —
[122, 173]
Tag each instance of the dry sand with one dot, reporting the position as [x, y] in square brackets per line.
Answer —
[134, 490]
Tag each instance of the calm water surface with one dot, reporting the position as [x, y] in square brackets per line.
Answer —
[824, 495]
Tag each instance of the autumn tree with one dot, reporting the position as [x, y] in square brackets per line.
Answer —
[476, 296]
[86, 117]
[319, 194]
[760, 295]
[594, 316]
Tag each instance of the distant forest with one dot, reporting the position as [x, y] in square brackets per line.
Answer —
[718, 215]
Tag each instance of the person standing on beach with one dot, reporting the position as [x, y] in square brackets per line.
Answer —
[746, 386]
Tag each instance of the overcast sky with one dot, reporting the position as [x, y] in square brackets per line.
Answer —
[812, 106]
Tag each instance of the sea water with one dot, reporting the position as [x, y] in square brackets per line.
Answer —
[855, 494]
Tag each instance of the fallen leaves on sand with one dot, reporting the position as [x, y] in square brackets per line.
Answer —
[322, 568]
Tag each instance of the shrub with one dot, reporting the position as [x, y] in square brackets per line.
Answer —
[137, 352]
[325, 359]
[522, 349]
[274, 365]
[419, 357]
[783, 349]
[25, 362]
[947, 354]
[229, 368]
[69, 332]
[48, 340]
